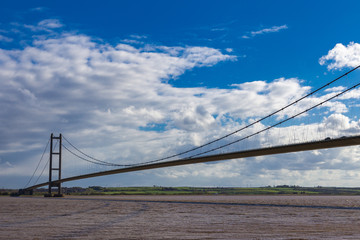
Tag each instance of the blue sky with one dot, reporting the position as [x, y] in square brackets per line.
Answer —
[138, 80]
[312, 29]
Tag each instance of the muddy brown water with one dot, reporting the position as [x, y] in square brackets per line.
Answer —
[181, 217]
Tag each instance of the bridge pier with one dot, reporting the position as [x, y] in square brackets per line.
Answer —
[55, 167]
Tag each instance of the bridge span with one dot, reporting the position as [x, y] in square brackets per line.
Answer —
[314, 145]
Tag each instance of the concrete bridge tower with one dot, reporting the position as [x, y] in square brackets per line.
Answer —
[55, 167]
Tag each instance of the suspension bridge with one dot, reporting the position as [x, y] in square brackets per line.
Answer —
[212, 150]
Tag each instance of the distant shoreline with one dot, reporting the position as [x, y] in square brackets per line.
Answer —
[159, 190]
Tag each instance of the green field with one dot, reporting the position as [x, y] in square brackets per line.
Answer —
[156, 190]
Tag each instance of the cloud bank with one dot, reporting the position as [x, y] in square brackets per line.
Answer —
[115, 103]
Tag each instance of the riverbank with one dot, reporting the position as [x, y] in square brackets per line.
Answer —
[159, 190]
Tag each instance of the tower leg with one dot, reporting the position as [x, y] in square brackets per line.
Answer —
[55, 155]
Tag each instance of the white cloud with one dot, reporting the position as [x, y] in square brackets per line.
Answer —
[265, 31]
[342, 56]
[47, 25]
[5, 39]
[269, 30]
[38, 9]
[261, 97]
[71, 81]
[335, 89]
[50, 23]
[337, 122]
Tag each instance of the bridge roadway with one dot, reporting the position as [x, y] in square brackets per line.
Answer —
[322, 144]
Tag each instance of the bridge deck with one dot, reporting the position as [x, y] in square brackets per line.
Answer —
[327, 143]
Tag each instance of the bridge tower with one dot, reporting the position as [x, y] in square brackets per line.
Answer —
[55, 166]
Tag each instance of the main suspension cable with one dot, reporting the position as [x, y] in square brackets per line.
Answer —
[225, 145]
[95, 161]
[278, 123]
[101, 162]
[260, 120]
